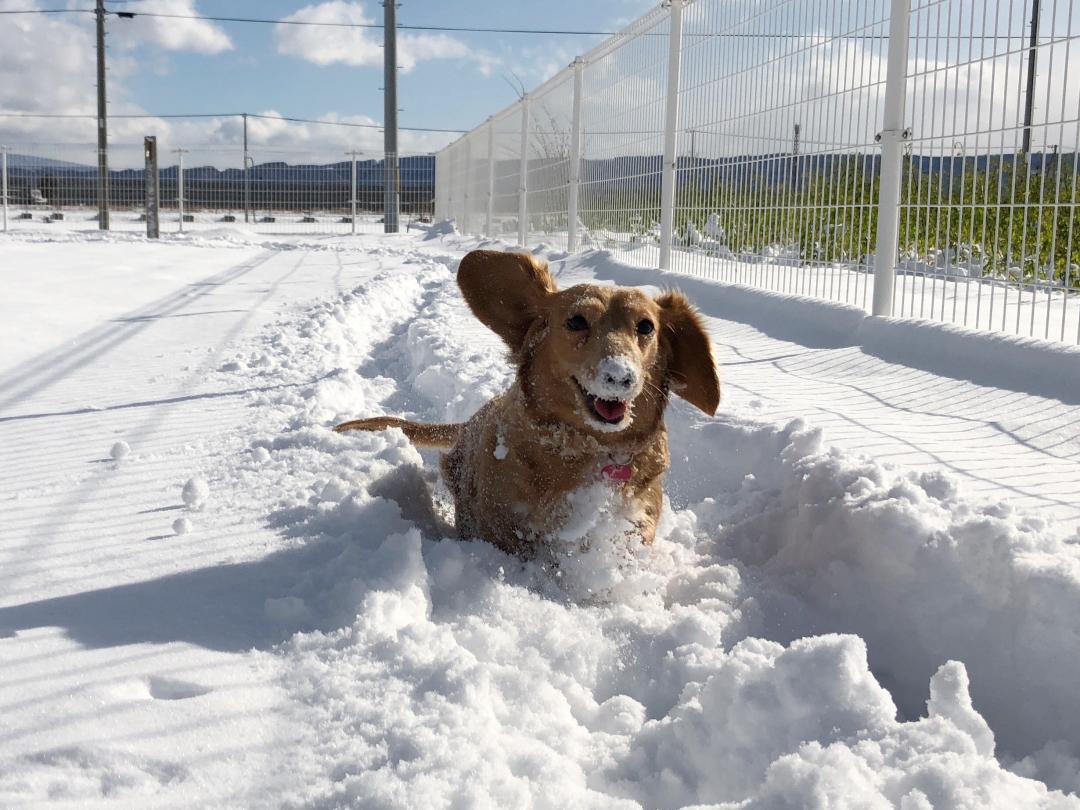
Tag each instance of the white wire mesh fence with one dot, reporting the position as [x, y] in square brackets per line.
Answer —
[269, 189]
[914, 157]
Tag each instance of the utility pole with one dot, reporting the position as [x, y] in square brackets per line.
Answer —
[102, 135]
[392, 192]
[1029, 101]
[247, 177]
[353, 153]
[180, 185]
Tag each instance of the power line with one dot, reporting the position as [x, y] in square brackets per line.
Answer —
[230, 115]
[350, 124]
[47, 11]
[541, 31]
[268, 21]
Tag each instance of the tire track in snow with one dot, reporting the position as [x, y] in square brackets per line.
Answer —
[94, 346]
[44, 533]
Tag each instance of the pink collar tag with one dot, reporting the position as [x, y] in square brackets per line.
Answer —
[617, 472]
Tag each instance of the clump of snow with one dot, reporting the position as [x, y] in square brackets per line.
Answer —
[119, 450]
[195, 493]
[260, 455]
[334, 490]
[598, 553]
[288, 611]
[182, 525]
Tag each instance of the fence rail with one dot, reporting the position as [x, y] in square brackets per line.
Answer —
[913, 157]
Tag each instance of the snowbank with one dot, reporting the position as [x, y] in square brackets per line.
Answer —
[986, 358]
[754, 657]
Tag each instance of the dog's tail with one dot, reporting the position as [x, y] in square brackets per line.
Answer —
[441, 437]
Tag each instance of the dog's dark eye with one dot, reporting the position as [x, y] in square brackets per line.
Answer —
[577, 324]
[645, 327]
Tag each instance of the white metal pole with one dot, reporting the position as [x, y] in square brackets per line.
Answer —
[440, 185]
[352, 185]
[892, 139]
[575, 161]
[671, 132]
[523, 171]
[489, 225]
[180, 185]
[3, 183]
[180, 190]
[466, 179]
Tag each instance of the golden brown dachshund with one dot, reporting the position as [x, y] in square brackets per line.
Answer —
[595, 366]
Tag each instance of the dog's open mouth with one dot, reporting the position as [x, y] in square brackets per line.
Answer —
[608, 411]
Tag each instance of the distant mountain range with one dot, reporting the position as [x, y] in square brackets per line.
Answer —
[279, 185]
[416, 171]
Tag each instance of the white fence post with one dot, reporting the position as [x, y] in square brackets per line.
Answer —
[489, 225]
[180, 184]
[671, 131]
[441, 203]
[3, 189]
[523, 186]
[892, 138]
[466, 195]
[575, 161]
[352, 186]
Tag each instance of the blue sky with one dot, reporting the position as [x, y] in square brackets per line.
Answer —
[456, 80]
[168, 66]
[451, 93]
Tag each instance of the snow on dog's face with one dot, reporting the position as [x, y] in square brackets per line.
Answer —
[599, 358]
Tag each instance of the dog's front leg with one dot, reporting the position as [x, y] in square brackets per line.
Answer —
[651, 500]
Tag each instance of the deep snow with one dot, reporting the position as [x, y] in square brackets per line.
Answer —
[813, 628]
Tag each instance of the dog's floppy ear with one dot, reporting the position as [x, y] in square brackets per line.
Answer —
[505, 291]
[691, 368]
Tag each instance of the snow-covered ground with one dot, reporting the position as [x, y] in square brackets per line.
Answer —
[312, 222]
[864, 593]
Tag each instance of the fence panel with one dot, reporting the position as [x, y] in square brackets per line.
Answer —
[989, 231]
[507, 145]
[781, 102]
[778, 167]
[282, 188]
[548, 161]
[622, 113]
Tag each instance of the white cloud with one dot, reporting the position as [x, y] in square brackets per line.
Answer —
[200, 36]
[539, 63]
[362, 47]
[47, 66]
[46, 62]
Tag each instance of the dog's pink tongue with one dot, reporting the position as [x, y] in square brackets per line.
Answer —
[610, 409]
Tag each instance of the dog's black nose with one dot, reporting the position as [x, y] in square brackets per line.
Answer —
[623, 381]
